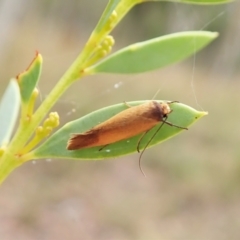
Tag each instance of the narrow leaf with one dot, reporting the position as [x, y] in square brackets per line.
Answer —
[154, 53]
[55, 146]
[28, 79]
[9, 107]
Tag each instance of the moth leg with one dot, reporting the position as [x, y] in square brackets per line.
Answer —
[100, 149]
[173, 125]
[140, 139]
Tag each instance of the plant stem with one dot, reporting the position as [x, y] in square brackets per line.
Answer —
[7, 166]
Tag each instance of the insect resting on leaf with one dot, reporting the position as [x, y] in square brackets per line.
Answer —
[126, 124]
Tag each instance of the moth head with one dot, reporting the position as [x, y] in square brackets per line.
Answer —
[165, 109]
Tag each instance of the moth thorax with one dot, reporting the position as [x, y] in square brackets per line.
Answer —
[165, 108]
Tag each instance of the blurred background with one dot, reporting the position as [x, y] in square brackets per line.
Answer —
[192, 186]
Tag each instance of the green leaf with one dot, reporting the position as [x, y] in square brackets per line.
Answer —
[154, 53]
[9, 107]
[28, 80]
[55, 146]
[196, 1]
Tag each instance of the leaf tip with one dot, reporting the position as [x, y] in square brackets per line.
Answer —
[201, 114]
[215, 34]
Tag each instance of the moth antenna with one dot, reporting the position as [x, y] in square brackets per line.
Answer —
[140, 157]
[140, 139]
[143, 173]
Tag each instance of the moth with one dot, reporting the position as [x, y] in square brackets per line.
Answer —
[126, 124]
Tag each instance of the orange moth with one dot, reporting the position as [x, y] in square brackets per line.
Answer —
[126, 124]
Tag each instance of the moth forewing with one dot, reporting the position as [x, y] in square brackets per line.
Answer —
[126, 124]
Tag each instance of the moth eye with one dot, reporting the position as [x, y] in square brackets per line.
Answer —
[165, 115]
